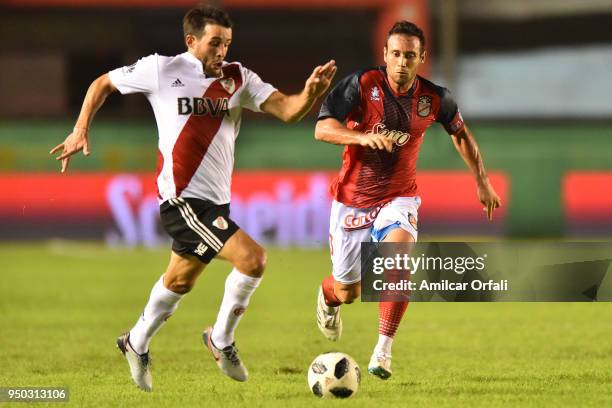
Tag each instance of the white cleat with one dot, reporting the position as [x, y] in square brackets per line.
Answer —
[227, 358]
[380, 365]
[140, 364]
[328, 318]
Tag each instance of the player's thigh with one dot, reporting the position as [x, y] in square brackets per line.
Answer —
[397, 221]
[244, 253]
[399, 235]
[345, 238]
[199, 228]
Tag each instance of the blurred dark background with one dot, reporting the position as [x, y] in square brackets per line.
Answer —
[531, 78]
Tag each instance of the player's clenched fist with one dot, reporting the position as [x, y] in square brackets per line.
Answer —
[74, 143]
[376, 141]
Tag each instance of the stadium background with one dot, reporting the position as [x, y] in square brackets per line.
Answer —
[531, 79]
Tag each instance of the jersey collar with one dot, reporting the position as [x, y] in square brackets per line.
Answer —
[197, 64]
[409, 92]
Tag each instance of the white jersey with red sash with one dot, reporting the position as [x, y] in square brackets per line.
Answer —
[198, 120]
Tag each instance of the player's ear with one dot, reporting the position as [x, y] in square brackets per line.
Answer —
[385, 54]
[423, 55]
[189, 40]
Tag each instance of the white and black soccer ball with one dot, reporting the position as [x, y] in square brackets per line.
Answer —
[334, 375]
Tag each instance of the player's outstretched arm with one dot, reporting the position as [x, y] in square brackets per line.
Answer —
[468, 149]
[292, 108]
[332, 131]
[78, 139]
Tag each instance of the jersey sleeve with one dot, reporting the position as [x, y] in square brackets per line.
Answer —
[255, 91]
[140, 77]
[449, 115]
[342, 99]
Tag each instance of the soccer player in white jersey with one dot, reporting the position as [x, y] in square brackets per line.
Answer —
[197, 98]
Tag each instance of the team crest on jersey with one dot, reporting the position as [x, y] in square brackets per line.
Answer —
[424, 105]
[220, 223]
[375, 94]
[228, 84]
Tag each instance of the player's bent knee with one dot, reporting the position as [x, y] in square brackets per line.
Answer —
[255, 263]
[179, 285]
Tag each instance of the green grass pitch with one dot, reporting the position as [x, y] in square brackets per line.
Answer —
[62, 306]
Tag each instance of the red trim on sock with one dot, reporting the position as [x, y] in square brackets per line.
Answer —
[331, 299]
[389, 317]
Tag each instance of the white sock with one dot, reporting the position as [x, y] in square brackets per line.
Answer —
[238, 290]
[162, 303]
[384, 344]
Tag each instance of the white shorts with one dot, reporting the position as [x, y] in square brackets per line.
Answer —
[349, 227]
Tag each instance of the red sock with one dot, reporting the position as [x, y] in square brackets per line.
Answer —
[389, 317]
[328, 292]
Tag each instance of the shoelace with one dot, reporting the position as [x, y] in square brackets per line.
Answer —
[231, 353]
[330, 320]
[145, 360]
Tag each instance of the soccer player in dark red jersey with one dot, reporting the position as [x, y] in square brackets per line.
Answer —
[381, 115]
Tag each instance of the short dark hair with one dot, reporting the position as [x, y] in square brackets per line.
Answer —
[407, 28]
[196, 19]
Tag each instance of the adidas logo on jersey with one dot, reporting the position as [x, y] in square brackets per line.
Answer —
[177, 83]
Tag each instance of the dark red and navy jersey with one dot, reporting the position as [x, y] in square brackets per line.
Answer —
[368, 104]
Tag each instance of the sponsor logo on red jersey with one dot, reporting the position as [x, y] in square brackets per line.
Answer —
[399, 138]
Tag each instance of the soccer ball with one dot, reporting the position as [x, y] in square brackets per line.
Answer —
[334, 375]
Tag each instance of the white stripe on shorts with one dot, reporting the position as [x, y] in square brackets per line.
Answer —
[194, 226]
[198, 222]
